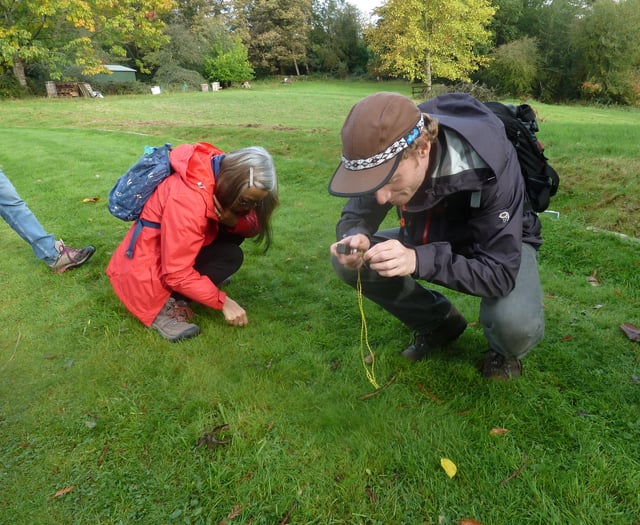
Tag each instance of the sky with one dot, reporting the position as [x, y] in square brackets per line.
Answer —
[366, 6]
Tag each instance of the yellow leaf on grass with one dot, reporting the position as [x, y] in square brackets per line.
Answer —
[498, 431]
[91, 199]
[448, 466]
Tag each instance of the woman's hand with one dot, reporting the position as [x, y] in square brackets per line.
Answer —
[227, 217]
[234, 314]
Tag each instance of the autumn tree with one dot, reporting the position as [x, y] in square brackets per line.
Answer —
[419, 39]
[608, 56]
[336, 43]
[59, 33]
[504, 25]
[515, 67]
[276, 32]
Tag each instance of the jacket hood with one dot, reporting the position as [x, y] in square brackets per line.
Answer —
[192, 163]
[475, 122]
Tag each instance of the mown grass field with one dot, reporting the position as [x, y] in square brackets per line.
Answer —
[102, 421]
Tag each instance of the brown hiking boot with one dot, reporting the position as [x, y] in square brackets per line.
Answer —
[70, 257]
[450, 329]
[171, 323]
[500, 367]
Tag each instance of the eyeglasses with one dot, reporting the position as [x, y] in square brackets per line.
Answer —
[246, 203]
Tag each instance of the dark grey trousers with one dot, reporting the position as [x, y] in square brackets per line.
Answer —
[512, 325]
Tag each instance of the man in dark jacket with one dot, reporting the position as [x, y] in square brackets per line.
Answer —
[465, 224]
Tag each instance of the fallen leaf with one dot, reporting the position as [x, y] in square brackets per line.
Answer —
[378, 390]
[449, 467]
[103, 455]
[62, 492]
[498, 431]
[512, 476]
[214, 438]
[371, 494]
[431, 396]
[469, 521]
[91, 199]
[592, 279]
[631, 331]
[235, 512]
[287, 516]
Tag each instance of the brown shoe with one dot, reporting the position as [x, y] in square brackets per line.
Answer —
[450, 329]
[171, 323]
[500, 367]
[70, 257]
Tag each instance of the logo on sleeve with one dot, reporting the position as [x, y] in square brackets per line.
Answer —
[504, 216]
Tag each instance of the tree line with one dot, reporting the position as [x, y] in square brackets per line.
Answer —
[552, 50]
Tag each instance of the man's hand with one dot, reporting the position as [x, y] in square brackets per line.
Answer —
[391, 259]
[355, 245]
[234, 314]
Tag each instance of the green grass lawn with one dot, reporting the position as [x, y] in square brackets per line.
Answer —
[104, 422]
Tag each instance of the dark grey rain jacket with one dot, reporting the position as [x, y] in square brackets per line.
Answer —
[467, 221]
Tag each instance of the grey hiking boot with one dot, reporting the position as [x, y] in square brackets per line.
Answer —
[171, 323]
[424, 343]
[500, 367]
[70, 257]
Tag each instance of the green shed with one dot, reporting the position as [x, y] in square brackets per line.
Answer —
[118, 74]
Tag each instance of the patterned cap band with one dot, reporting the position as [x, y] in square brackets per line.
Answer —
[379, 158]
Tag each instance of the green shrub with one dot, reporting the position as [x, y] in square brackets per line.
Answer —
[229, 66]
[514, 69]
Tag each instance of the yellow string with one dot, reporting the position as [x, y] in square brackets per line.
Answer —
[364, 338]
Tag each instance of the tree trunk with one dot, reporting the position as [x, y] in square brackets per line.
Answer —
[18, 71]
[427, 61]
[295, 63]
[427, 70]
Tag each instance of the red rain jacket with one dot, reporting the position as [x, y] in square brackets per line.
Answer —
[163, 259]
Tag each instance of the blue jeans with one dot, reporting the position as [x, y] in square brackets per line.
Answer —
[18, 215]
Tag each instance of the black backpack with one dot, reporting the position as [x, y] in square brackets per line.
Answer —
[520, 124]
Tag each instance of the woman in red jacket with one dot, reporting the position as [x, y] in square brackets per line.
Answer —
[189, 235]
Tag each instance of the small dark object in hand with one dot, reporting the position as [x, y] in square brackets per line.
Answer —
[343, 249]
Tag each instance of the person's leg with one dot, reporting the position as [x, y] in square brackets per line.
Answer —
[418, 308]
[514, 324]
[421, 310]
[218, 261]
[221, 259]
[18, 215]
[428, 313]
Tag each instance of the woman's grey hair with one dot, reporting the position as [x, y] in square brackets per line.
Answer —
[245, 167]
[238, 164]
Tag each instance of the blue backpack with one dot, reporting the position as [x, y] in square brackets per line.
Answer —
[131, 191]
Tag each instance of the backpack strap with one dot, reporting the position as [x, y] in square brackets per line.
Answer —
[215, 165]
[140, 223]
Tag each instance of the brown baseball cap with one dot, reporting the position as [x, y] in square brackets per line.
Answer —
[374, 135]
